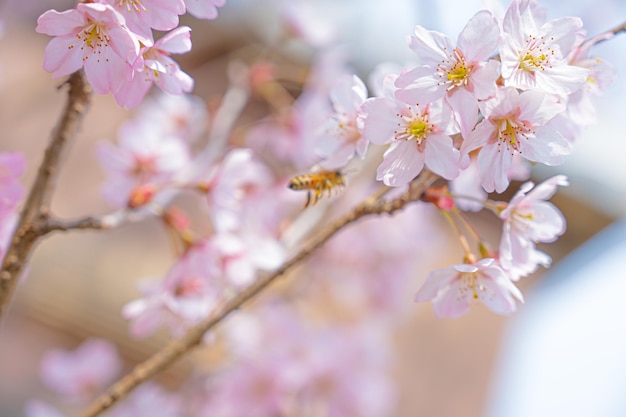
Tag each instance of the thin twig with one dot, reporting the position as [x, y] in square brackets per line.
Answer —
[37, 206]
[177, 348]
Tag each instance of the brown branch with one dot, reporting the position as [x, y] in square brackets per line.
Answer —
[177, 348]
[37, 206]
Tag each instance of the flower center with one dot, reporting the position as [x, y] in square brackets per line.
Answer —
[511, 133]
[415, 127]
[537, 54]
[454, 71]
[132, 5]
[94, 36]
[468, 286]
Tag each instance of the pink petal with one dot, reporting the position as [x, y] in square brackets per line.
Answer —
[62, 56]
[435, 281]
[441, 156]
[379, 116]
[55, 23]
[419, 86]
[431, 47]
[177, 41]
[479, 38]
[402, 162]
[465, 107]
[493, 164]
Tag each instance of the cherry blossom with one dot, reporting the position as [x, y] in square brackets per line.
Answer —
[529, 219]
[347, 96]
[183, 116]
[296, 366]
[142, 15]
[515, 124]
[534, 54]
[154, 66]
[79, 374]
[143, 156]
[452, 289]
[297, 137]
[462, 74]
[93, 36]
[185, 296]
[419, 135]
[240, 181]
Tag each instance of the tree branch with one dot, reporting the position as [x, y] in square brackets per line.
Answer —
[177, 348]
[37, 206]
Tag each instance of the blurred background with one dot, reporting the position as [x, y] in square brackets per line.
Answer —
[77, 283]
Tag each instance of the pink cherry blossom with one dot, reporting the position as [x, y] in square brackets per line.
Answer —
[419, 135]
[79, 374]
[183, 116]
[241, 256]
[154, 66]
[515, 124]
[347, 96]
[529, 219]
[93, 36]
[204, 9]
[533, 53]
[235, 184]
[296, 137]
[143, 156]
[142, 15]
[462, 74]
[187, 295]
[292, 365]
[452, 289]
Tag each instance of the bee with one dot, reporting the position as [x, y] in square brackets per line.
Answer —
[316, 183]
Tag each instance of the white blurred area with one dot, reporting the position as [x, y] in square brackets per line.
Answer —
[565, 352]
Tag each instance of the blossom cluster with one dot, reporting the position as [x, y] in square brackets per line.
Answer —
[475, 112]
[113, 41]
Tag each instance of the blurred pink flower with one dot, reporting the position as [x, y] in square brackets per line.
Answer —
[187, 295]
[293, 365]
[452, 289]
[79, 374]
[93, 36]
[236, 185]
[347, 95]
[183, 116]
[144, 155]
[154, 66]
